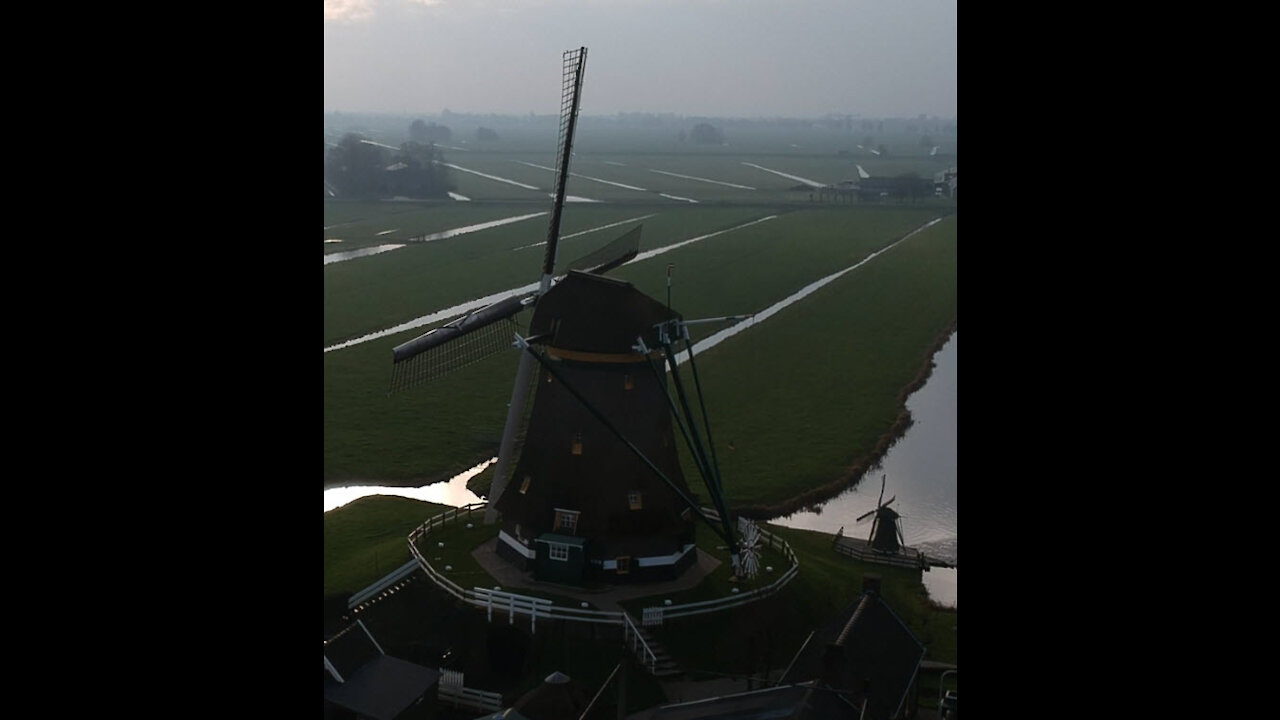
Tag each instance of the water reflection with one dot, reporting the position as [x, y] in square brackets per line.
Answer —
[452, 492]
[920, 470]
[362, 252]
[430, 237]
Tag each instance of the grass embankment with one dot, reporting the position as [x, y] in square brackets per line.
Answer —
[365, 539]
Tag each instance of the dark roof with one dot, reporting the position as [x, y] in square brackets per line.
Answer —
[807, 701]
[374, 685]
[382, 688]
[593, 313]
[559, 697]
[868, 653]
[349, 649]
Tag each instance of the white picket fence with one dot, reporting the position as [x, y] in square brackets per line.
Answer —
[452, 691]
[513, 604]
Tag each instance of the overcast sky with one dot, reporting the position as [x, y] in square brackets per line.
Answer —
[732, 58]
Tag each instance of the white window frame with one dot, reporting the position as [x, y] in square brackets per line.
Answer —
[572, 516]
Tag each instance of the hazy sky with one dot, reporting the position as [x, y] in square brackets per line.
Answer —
[743, 58]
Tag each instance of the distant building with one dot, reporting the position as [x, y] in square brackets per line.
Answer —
[944, 183]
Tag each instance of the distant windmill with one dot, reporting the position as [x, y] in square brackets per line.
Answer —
[886, 527]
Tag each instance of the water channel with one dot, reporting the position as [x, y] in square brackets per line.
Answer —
[919, 472]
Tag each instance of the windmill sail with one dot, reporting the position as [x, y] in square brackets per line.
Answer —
[456, 344]
[573, 64]
[610, 256]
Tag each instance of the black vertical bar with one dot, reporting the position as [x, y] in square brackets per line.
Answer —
[562, 171]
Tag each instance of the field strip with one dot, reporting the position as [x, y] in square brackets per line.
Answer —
[677, 197]
[456, 310]
[586, 177]
[584, 232]
[705, 180]
[797, 178]
[459, 198]
[804, 292]
[568, 198]
[668, 248]
[487, 176]
[362, 252]
[442, 235]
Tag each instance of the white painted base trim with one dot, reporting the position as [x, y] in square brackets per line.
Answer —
[516, 545]
[655, 561]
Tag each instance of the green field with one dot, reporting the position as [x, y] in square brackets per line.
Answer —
[799, 403]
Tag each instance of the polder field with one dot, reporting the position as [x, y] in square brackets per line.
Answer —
[798, 402]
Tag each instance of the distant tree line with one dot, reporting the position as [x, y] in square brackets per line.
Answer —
[356, 167]
[706, 134]
[422, 132]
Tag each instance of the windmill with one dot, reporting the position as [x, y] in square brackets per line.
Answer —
[886, 527]
[595, 489]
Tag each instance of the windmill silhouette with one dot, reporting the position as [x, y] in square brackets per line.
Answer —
[886, 524]
[595, 490]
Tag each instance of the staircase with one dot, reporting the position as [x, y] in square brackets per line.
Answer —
[650, 654]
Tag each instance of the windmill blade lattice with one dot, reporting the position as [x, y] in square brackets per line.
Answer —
[749, 549]
[456, 344]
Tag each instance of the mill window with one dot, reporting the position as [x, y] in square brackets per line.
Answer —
[566, 521]
[558, 551]
[633, 499]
